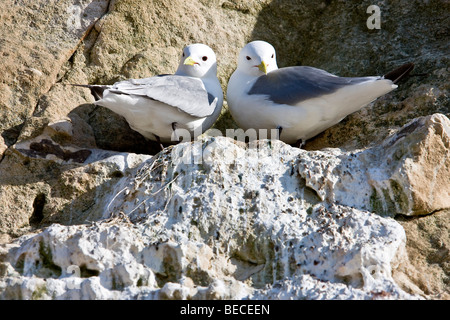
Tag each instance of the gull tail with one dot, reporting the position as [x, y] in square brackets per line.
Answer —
[96, 90]
[400, 73]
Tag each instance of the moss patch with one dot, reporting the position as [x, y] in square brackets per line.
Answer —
[48, 269]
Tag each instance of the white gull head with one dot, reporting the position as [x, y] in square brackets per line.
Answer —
[257, 58]
[197, 60]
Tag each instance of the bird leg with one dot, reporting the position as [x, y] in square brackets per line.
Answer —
[158, 139]
[280, 129]
[299, 144]
[174, 133]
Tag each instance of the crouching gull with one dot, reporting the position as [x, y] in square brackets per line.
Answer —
[299, 101]
[165, 108]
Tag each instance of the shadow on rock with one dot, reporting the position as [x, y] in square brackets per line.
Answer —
[112, 132]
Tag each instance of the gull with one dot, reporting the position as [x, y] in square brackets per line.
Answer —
[165, 107]
[299, 101]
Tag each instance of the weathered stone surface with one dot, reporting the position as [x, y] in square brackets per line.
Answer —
[207, 241]
[408, 173]
[426, 268]
[38, 37]
[199, 214]
[47, 184]
[118, 260]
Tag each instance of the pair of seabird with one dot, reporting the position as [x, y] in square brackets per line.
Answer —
[299, 101]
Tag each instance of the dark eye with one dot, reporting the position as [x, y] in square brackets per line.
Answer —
[183, 54]
[273, 55]
[204, 58]
[248, 58]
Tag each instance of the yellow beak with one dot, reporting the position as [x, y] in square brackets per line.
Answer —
[189, 61]
[263, 67]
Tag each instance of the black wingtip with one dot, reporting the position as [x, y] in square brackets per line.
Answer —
[96, 90]
[400, 73]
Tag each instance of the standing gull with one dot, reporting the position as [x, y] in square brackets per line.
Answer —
[165, 108]
[299, 101]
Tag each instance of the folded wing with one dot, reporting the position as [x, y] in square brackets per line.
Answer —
[185, 93]
[293, 85]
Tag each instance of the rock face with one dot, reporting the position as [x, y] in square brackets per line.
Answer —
[38, 38]
[222, 220]
[214, 220]
[361, 213]
[406, 174]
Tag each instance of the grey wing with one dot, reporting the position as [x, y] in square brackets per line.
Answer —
[292, 85]
[185, 93]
